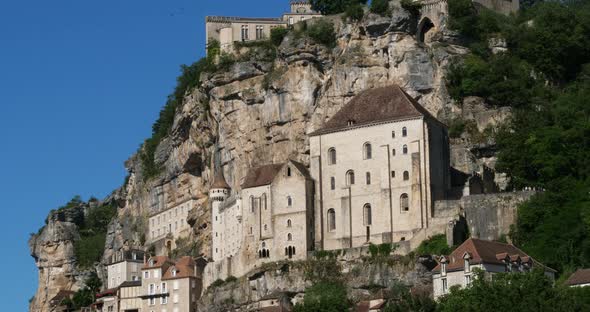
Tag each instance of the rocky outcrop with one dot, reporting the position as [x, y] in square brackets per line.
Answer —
[53, 251]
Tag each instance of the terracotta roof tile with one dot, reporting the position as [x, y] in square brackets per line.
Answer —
[377, 105]
[581, 276]
[184, 267]
[159, 261]
[483, 251]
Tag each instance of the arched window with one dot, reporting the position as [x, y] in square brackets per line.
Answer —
[288, 223]
[404, 201]
[393, 152]
[332, 183]
[349, 177]
[406, 176]
[368, 178]
[252, 203]
[367, 215]
[393, 134]
[289, 201]
[331, 220]
[367, 151]
[264, 201]
[404, 132]
[289, 237]
[405, 149]
[332, 156]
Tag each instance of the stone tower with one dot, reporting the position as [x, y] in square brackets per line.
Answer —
[218, 193]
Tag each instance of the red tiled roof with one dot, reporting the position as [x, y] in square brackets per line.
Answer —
[483, 251]
[107, 293]
[377, 105]
[159, 261]
[184, 267]
[581, 276]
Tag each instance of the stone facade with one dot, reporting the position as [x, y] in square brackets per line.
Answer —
[378, 175]
[124, 266]
[227, 30]
[170, 205]
[170, 286]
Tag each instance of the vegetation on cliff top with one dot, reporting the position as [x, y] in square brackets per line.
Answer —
[90, 248]
[545, 76]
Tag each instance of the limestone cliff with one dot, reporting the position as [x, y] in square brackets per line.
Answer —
[260, 111]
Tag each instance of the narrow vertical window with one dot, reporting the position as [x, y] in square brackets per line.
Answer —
[367, 151]
[289, 237]
[406, 176]
[332, 156]
[368, 177]
[331, 220]
[393, 134]
[404, 132]
[288, 223]
[404, 202]
[393, 152]
[289, 201]
[405, 149]
[288, 171]
[367, 215]
[332, 183]
[349, 178]
[252, 203]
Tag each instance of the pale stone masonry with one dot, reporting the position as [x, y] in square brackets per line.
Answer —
[271, 219]
[124, 266]
[379, 165]
[227, 30]
[169, 286]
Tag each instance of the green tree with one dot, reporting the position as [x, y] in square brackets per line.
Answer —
[380, 7]
[515, 292]
[435, 245]
[324, 297]
[402, 300]
[329, 7]
[322, 32]
[277, 35]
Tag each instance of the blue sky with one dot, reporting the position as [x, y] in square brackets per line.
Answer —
[80, 84]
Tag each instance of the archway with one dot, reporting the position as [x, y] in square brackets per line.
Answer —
[425, 30]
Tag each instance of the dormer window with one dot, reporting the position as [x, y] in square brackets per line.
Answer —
[174, 272]
[151, 262]
[443, 266]
[466, 265]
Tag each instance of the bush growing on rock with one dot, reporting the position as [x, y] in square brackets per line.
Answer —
[322, 32]
[380, 7]
[329, 7]
[324, 297]
[277, 35]
[354, 12]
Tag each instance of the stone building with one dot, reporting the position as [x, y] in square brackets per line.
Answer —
[169, 286]
[271, 219]
[124, 266]
[458, 269]
[129, 296]
[169, 209]
[278, 216]
[379, 165]
[227, 30]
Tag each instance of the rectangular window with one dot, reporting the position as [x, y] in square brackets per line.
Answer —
[175, 298]
[259, 32]
[164, 288]
[156, 274]
[152, 289]
[152, 301]
[146, 274]
[444, 285]
[175, 285]
[393, 174]
[244, 32]
[164, 300]
[467, 280]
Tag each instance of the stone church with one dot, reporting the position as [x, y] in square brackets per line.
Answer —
[376, 168]
[379, 165]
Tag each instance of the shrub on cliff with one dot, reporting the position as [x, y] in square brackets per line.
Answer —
[90, 247]
[380, 7]
[322, 32]
[354, 12]
[329, 7]
[324, 297]
[435, 245]
[277, 35]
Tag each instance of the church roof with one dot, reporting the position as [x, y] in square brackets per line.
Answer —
[374, 106]
[264, 175]
[219, 181]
